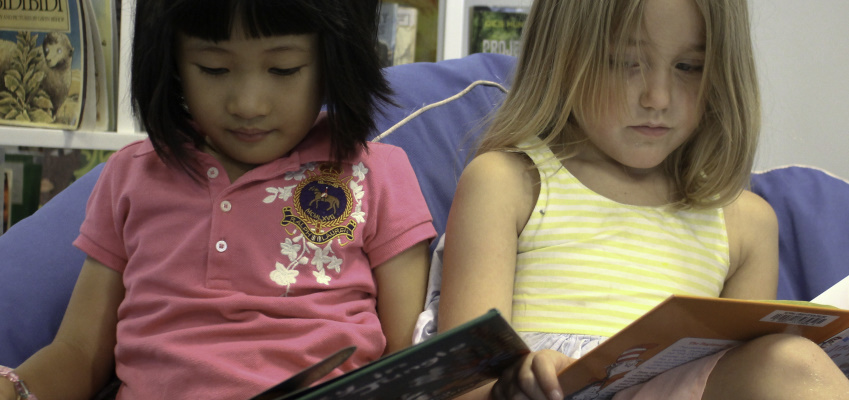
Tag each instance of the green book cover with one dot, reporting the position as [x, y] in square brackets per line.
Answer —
[25, 188]
[496, 30]
[445, 366]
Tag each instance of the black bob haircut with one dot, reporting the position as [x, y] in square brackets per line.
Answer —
[353, 82]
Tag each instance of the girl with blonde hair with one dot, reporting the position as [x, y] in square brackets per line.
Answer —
[613, 176]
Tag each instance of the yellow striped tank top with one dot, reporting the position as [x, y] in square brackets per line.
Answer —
[589, 265]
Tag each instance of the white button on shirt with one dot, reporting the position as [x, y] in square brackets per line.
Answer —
[221, 246]
[226, 206]
[212, 173]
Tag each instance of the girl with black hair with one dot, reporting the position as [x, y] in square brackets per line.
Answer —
[247, 238]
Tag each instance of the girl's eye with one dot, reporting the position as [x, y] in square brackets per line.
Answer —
[627, 64]
[212, 71]
[689, 67]
[284, 71]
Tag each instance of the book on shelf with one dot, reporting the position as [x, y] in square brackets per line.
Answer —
[443, 367]
[7, 198]
[106, 18]
[95, 115]
[685, 328]
[4, 193]
[49, 65]
[427, 27]
[61, 167]
[42, 63]
[494, 29]
[25, 184]
[396, 34]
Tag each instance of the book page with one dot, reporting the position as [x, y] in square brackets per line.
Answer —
[837, 295]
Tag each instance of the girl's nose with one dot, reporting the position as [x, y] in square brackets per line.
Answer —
[248, 102]
[657, 90]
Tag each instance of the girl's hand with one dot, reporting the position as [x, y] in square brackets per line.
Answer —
[533, 377]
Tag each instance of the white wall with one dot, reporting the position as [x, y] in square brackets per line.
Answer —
[802, 51]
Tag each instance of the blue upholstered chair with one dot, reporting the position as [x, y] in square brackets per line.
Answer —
[442, 108]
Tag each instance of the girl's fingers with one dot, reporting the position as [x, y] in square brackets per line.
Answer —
[532, 378]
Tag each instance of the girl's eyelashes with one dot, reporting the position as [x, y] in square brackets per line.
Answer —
[689, 67]
[284, 71]
[212, 71]
[274, 71]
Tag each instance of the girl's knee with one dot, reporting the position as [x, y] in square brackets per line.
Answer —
[789, 352]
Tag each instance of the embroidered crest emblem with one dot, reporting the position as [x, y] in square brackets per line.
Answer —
[322, 204]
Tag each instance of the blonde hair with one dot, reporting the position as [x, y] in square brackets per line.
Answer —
[565, 66]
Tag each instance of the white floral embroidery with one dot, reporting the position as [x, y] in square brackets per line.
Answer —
[290, 249]
[358, 213]
[322, 256]
[300, 174]
[284, 276]
[278, 193]
[335, 264]
[321, 277]
[360, 171]
[356, 191]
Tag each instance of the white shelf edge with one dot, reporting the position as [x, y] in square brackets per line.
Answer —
[62, 139]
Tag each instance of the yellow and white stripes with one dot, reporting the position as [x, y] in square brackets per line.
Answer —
[589, 265]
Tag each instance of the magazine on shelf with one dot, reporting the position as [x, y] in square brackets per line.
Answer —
[396, 34]
[496, 29]
[95, 106]
[685, 328]
[25, 184]
[106, 17]
[42, 65]
[443, 367]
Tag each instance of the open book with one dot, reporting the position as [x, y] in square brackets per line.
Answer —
[443, 367]
[685, 328]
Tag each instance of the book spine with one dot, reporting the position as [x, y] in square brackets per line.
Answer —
[496, 30]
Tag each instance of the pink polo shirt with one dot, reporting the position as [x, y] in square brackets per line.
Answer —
[233, 287]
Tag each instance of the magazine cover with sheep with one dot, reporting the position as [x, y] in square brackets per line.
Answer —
[42, 64]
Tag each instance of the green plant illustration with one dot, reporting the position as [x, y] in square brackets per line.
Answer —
[24, 99]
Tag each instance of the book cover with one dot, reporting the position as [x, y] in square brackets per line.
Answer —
[427, 28]
[405, 35]
[42, 53]
[445, 366]
[61, 167]
[685, 328]
[95, 115]
[7, 198]
[4, 191]
[106, 17]
[396, 34]
[386, 33]
[25, 186]
[496, 30]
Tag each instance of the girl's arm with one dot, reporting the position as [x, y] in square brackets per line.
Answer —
[80, 360]
[753, 241]
[401, 287]
[494, 199]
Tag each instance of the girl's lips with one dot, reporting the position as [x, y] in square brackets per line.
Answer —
[651, 131]
[250, 135]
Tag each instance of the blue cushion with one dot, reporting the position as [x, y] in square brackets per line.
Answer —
[813, 228]
[462, 93]
[38, 270]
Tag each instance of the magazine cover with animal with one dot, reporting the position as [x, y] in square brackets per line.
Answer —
[685, 328]
[42, 64]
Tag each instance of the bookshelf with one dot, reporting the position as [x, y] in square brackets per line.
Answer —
[127, 130]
